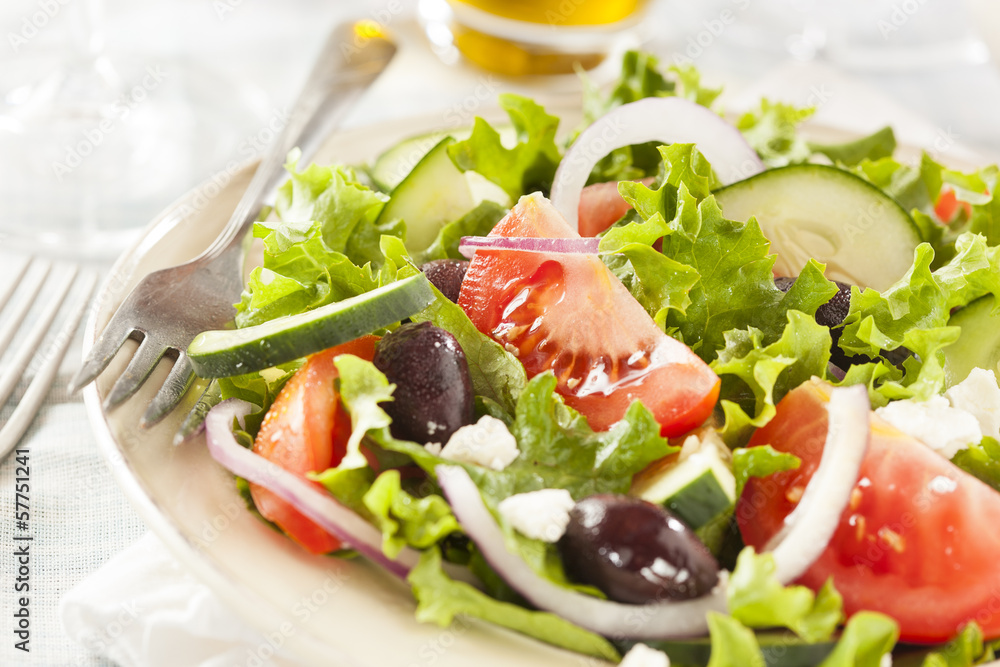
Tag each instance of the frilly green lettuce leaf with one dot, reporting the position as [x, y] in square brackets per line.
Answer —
[528, 166]
[866, 639]
[758, 600]
[733, 644]
[772, 131]
[345, 209]
[406, 520]
[767, 372]
[875, 146]
[982, 461]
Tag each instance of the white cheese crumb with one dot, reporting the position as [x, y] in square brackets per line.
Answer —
[935, 423]
[886, 660]
[541, 515]
[979, 395]
[644, 656]
[486, 443]
[434, 448]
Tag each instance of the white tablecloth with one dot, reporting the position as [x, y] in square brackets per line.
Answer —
[79, 519]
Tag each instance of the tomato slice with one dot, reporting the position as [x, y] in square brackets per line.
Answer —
[569, 314]
[601, 206]
[918, 540]
[947, 206]
[306, 430]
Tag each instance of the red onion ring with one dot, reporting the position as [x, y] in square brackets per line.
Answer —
[811, 525]
[317, 505]
[666, 119]
[583, 246]
[657, 620]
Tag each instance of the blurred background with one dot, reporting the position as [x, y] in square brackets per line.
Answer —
[109, 110]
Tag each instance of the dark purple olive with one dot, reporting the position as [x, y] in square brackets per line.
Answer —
[447, 275]
[433, 396]
[635, 552]
[831, 313]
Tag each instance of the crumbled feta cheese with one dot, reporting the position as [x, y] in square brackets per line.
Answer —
[979, 395]
[644, 656]
[434, 448]
[541, 515]
[935, 423]
[486, 443]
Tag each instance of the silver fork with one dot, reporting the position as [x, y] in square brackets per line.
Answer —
[30, 287]
[168, 308]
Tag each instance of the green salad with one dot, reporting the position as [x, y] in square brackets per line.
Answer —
[657, 385]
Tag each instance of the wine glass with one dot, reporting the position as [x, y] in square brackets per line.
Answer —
[94, 143]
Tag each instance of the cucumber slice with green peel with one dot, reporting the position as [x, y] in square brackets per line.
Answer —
[698, 487]
[863, 235]
[978, 346]
[393, 165]
[229, 352]
[432, 195]
[780, 649]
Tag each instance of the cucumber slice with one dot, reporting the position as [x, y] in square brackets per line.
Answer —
[780, 649]
[817, 211]
[231, 352]
[978, 346]
[698, 487]
[392, 166]
[432, 195]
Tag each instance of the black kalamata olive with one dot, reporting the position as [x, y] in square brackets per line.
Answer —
[635, 552]
[433, 396]
[831, 313]
[447, 275]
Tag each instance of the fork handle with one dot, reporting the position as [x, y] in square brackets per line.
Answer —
[351, 59]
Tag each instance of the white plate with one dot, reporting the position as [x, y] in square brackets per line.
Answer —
[324, 611]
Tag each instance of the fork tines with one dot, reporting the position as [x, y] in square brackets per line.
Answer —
[29, 306]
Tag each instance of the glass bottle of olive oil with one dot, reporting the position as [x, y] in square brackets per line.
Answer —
[524, 37]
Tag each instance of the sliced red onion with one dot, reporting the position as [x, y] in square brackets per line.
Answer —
[657, 620]
[811, 525]
[318, 506]
[666, 119]
[585, 246]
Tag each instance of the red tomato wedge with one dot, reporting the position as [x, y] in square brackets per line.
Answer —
[601, 206]
[568, 313]
[306, 430]
[918, 541]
